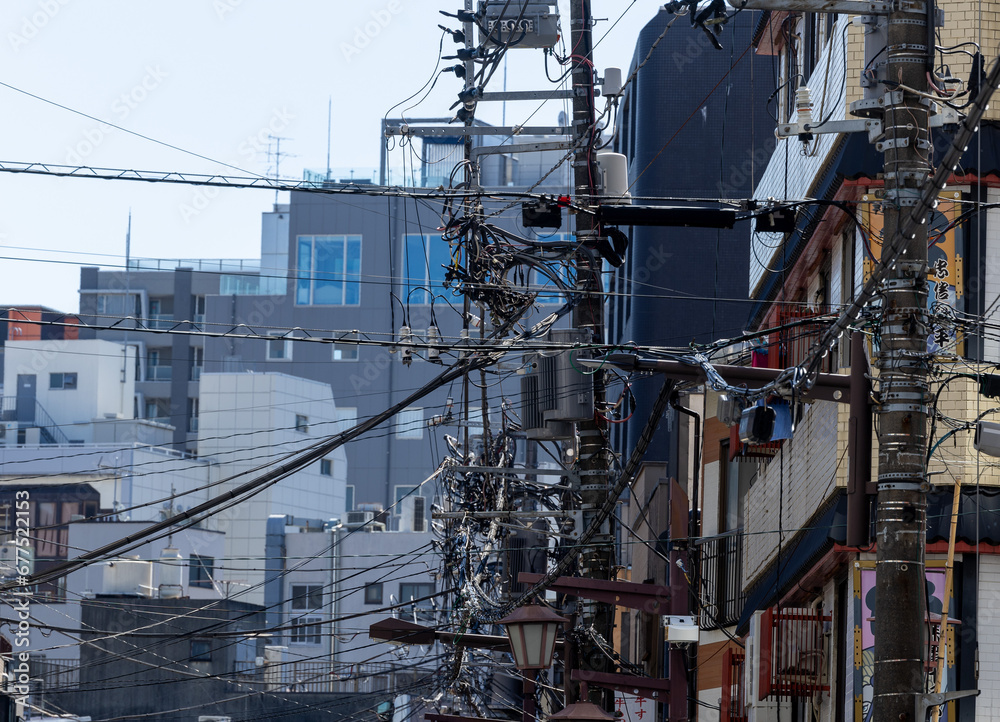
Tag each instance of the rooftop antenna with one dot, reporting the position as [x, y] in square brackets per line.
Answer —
[329, 131]
[127, 301]
[278, 155]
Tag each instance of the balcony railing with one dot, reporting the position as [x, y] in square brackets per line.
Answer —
[324, 677]
[161, 320]
[158, 373]
[721, 573]
[55, 674]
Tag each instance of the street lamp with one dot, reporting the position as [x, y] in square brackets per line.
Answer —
[532, 631]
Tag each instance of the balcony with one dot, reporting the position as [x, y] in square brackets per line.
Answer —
[158, 373]
[721, 573]
[161, 321]
[322, 676]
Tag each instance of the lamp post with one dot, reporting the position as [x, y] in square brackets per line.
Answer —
[532, 631]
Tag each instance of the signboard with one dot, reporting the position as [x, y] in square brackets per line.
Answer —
[864, 637]
[944, 265]
[634, 708]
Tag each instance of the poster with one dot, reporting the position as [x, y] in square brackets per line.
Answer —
[944, 262]
[864, 638]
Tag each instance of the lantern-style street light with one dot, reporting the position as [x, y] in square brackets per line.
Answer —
[532, 631]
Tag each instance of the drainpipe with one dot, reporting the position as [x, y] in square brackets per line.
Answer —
[274, 559]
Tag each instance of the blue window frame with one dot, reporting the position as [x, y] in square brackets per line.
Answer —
[424, 257]
[328, 271]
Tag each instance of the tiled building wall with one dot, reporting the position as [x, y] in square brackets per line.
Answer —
[792, 486]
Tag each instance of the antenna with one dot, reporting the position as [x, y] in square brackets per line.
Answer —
[329, 132]
[278, 155]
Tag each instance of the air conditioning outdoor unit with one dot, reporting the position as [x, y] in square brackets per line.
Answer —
[363, 521]
[413, 511]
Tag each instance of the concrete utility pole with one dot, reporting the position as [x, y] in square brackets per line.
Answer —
[900, 605]
[598, 559]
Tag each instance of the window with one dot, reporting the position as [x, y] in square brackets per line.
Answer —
[306, 630]
[402, 491]
[199, 309]
[115, 304]
[279, 349]
[373, 593]
[410, 424]
[425, 258]
[349, 498]
[307, 597]
[423, 610]
[328, 270]
[158, 410]
[302, 423]
[62, 381]
[197, 362]
[201, 650]
[345, 349]
[201, 570]
[193, 414]
[326, 467]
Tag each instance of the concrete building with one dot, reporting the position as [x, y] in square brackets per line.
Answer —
[332, 267]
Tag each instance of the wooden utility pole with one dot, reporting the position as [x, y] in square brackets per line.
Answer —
[598, 558]
[900, 605]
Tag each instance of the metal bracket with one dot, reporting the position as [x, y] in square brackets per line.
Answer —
[934, 699]
[892, 143]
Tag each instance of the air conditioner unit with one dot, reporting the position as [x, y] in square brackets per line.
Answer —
[357, 519]
[413, 510]
[554, 394]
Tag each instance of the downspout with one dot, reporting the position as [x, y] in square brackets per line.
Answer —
[694, 529]
[274, 557]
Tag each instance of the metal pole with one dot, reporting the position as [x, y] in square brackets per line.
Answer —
[900, 605]
[598, 559]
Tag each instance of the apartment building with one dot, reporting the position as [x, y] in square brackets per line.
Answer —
[787, 546]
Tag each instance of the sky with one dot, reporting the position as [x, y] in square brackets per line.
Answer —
[206, 82]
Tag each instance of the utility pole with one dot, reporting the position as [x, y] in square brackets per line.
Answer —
[900, 605]
[598, 559]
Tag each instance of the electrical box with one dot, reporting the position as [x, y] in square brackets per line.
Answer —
[728, 410]
[681, 630]
[554, 394]
[987, 439]
[527, 24]
[757, 425]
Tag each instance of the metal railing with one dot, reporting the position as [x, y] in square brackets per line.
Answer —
[721, 573]
[159, 373]
[27, 417]
[50, 674]
[323, 676]
[220, 265]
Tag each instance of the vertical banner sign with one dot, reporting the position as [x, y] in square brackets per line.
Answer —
[944, 265]
[864, 637]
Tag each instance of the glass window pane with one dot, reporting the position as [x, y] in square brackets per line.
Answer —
[304, 271]
[440, 253]
[416, 270]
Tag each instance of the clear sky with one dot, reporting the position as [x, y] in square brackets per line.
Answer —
[214, 77]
